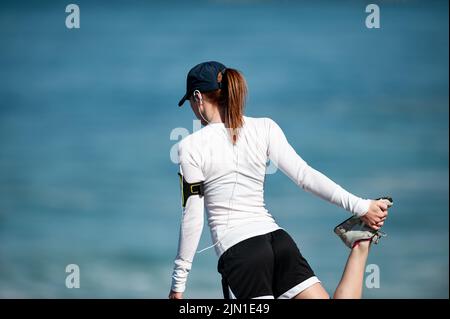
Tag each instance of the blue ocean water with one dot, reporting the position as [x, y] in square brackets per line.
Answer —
[86, 117]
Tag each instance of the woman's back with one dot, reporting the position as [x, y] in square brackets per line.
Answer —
[233, 177]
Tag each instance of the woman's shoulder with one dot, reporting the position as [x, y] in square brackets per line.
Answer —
[195, 141]
[190, 140]
[263, 122]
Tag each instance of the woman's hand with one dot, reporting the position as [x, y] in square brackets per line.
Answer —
[175, 295]
[377, 214]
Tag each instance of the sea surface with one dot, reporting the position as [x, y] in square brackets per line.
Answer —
[86, 118]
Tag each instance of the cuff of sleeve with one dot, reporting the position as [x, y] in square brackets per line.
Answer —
[362, 207]
[177, 286]
[180, 274]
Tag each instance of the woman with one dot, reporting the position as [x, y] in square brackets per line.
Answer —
[222, 166]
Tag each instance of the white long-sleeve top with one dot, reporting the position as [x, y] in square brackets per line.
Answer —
[233, 177]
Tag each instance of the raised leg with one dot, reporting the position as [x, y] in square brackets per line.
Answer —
[351, 284]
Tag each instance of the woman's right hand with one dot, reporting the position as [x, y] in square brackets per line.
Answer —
[376, 215]
[175, 295]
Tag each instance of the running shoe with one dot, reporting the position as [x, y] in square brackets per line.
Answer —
[353, 229]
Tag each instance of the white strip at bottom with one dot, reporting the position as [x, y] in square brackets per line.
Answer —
[294, 291]
[291, 293]
[232, 296]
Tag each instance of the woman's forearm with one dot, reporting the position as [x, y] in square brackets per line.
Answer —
[317, 183]
[190, 233]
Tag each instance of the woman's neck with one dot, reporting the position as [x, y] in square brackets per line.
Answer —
[218, 116]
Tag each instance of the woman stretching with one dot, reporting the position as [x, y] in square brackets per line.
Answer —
[222, 167]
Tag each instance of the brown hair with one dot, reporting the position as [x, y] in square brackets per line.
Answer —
[231, 97]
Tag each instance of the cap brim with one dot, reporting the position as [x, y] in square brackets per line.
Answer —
[185, 97]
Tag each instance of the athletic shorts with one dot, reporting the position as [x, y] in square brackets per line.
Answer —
[266, 266]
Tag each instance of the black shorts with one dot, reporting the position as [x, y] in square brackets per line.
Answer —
[265, 266]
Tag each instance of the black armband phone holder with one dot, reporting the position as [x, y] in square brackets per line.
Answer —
[188, 189]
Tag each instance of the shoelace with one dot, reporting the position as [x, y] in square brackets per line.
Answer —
[376, 238]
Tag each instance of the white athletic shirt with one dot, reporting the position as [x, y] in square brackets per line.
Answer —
[233, 177]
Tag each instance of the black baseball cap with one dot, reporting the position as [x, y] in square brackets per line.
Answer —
[203, 77]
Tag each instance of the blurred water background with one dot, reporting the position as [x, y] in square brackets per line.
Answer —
[86, 117]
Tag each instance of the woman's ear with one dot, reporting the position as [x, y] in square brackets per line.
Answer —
[198, 97]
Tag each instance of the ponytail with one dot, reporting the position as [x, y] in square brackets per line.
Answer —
[231, 98]
[235, 96]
